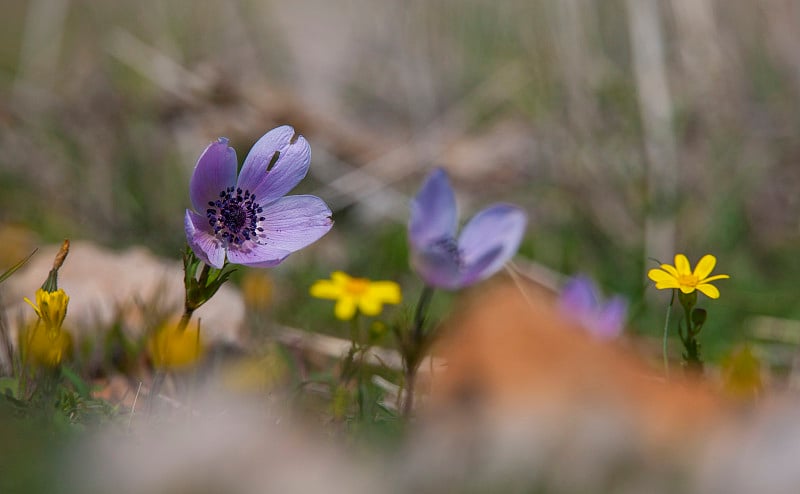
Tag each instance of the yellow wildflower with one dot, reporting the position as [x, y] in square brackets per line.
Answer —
[173, 348]
[256, 290]
[44, 343]
[254, 374]
[682, 277]
[51, 307]
[353, 294]
[741, 373]
[46, 348]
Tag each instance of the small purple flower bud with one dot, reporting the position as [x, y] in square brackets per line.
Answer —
[581, 302]
[443, 259]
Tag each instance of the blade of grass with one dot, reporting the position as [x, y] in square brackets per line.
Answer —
[8, 272]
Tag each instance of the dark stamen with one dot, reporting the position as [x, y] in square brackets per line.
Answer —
[234, 217]
[450, 246]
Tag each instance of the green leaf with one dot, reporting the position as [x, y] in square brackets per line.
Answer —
[80, 385]
[699, 317]
[16, 266]
[9, 385]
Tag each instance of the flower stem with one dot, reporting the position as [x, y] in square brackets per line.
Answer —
[413, 355]
[408, 405]
[666, 334]
[357, 364]
[204, 275]
[419, 315]
[185, 318]
[188, 308]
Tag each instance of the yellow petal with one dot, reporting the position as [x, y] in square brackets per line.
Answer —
[687, 289]
[662, 279]
[682, 265]
[256, 289]
[345, 308]
[326, 289]
[705, 266]
[38, 312]
[340, 278]
[370, 305]
[670, 269]
[48, 350]
[171, 347]
[715, 277]
[710, 290]
[53, 307]
[386, 291]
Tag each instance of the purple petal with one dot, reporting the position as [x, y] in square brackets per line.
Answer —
[270, 178]
[293, 222]
[214, 172]
[433, 211]
[204, 244]
[579, 297]
[256, 255]
[480, 269]
[610, 321]
[438, 267]
[500, 226]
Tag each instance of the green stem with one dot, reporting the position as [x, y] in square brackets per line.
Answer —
[666, 334]
[185, 318]
[412, 356]
[188, 307]
[355, 349]
[693, 362]
[689, 329]
[204, 275]
[419, 315]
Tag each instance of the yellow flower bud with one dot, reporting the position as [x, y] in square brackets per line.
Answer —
[256, 374]
[51, 307]
[44, 347]
[256, 290]
[742, 374]
[173, 348]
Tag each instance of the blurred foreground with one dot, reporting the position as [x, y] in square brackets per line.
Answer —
[527, 402]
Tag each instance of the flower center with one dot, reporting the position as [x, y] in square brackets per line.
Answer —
[450, 247]
[235, 216]
[357, 286]
[688, 280]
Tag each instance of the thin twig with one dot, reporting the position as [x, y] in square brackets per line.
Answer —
[133, 407]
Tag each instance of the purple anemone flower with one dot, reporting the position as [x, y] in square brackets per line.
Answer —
[580, 301]
[444, 260]
[250, 219]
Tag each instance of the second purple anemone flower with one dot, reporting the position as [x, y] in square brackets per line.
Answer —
[443, 259]
[580, 301]
[249, 219]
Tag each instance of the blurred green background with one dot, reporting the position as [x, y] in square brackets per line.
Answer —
[628, 131]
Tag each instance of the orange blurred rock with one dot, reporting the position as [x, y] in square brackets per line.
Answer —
[526, 398]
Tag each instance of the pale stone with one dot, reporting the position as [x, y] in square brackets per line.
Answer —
[103, 284]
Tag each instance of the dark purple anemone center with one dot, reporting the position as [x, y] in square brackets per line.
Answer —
[449, 246]
[234, 217]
